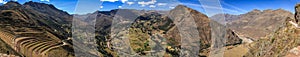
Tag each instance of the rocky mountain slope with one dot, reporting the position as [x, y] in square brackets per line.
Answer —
[184, 17]
[283, 42]
[149, 29]
[256, 24]
[276, 44]
[227, 17]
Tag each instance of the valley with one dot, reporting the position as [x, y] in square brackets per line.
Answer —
[36, 29]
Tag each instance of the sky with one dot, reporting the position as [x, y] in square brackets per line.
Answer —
[208, 7]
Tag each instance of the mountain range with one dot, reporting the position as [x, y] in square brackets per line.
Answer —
[256, 23]
[37, 29]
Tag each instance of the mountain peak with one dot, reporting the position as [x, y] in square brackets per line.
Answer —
[181, 9]
[12, 3]
[37, 4]
[45, 8]
[281, 10]
[256, 11]
[31, 2]
[181, 6]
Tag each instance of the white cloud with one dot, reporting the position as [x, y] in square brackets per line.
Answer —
[171, 7]
[101, 6]
[152, 6]
[109, 0]
[46, 0]
[161, 4]
[119, 6]
[3, 2]
[123, 1]
[143, 3]
[130, 3]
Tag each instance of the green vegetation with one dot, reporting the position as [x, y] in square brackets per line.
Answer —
[58, 52]
[139, 41]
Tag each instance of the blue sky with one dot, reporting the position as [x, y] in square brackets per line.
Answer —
[207, 7]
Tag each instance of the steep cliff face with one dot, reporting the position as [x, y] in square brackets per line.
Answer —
[190, 22]
[182, 14]
[297, 12]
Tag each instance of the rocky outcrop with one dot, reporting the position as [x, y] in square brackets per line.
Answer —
[297, 13]
[294, 52]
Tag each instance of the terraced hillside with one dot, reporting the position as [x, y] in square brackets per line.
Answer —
[33, 35]
[8, 55]
[6, 49]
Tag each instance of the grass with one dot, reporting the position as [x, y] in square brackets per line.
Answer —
[238, 51]
[58, 52]
[139, 41]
